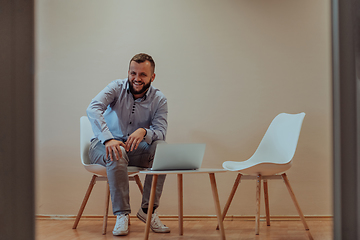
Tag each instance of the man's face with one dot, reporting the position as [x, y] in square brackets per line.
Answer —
[140, 76]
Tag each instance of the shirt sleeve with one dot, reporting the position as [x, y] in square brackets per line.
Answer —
[158, 127]
[97, 108]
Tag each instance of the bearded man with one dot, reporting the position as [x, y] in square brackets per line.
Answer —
[129, 118]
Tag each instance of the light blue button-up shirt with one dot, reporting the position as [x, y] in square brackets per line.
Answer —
[114, 113]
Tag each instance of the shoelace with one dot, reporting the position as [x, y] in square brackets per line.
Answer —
[156, 221]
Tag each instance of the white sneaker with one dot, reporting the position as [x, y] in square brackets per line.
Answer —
[156, 225]
[122, 225]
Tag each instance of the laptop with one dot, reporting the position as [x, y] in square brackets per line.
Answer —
[187, 156]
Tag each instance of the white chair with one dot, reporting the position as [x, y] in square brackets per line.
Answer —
[273, 156]
[98, 170]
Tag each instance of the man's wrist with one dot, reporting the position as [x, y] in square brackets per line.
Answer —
[107, 140]
[145, 132]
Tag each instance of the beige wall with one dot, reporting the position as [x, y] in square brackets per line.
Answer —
[227, 68]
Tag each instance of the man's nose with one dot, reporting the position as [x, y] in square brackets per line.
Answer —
[137, 78]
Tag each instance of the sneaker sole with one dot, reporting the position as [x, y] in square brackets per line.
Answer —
[121, 233]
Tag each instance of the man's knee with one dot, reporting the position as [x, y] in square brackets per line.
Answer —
[122, 160]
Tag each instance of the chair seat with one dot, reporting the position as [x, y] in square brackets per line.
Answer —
[254, 169]
[134, 169]
[101, 170]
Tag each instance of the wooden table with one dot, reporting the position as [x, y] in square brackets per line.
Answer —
[180, 173]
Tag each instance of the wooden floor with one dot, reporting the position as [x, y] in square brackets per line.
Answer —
[89, 229]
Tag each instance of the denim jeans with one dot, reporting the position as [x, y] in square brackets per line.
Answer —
[118, 176]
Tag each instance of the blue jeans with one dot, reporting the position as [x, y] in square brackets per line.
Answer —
[118, 176]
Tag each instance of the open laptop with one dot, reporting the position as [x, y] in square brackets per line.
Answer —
[178, 156]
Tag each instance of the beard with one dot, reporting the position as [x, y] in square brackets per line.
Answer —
[142, 90]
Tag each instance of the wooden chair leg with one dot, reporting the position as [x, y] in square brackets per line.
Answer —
[287, 183]
[258, 193]
[138, 182]
[86, 198]
[181, 204]
[266, 195]
[107, 199]
[231, 196]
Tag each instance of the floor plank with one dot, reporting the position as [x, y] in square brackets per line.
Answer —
[89, 229]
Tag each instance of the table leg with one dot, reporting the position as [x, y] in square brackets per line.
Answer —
[181, 209]
[151, 205]
[217, 204]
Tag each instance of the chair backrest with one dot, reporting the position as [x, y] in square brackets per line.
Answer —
[86, 134]
[280, 140]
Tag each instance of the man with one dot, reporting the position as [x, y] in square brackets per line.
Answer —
[129, 118]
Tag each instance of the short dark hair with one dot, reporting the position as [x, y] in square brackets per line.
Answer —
[142, 57]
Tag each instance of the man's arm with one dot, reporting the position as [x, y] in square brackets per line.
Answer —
[95, 113]
[97, 108]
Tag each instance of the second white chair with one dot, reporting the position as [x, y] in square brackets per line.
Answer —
[99, 172]
[273, 156]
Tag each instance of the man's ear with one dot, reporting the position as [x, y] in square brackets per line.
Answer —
[153, 77]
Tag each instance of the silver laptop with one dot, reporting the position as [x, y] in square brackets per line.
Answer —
[178, 156]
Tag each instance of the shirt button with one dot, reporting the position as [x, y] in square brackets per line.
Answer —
[130, 123]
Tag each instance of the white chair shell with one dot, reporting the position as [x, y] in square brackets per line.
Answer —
[275, 151]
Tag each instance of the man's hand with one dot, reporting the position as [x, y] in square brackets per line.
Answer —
[135, 139]
[113, 149]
